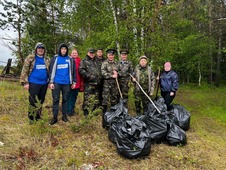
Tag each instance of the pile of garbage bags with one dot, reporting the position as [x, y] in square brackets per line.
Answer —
[133, 136]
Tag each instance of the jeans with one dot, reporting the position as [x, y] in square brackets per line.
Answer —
[72, 97]
[64, 89]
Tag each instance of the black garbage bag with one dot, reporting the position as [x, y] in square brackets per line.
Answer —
[157, 127]
[131, 138]
[159, 103]
[182, 116]
[117, 111]
[176, 135]
[116, 124]
[172, 118]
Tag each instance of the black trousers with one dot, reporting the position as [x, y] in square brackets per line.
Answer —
[37, 95]
[168, 99]
[58, 89]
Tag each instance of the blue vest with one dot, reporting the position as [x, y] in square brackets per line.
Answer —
[39, 72]
[62, 70]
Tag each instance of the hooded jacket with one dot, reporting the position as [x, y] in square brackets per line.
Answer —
[53, 66]
[29, 65]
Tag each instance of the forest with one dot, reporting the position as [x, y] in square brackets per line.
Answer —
[189, 33]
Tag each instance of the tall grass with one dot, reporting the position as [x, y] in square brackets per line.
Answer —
[208, 100]
[74, 144]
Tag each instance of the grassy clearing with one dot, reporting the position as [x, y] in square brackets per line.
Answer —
[65, 146]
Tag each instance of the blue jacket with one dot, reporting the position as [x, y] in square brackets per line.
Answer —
[53, 65]
[169, 81]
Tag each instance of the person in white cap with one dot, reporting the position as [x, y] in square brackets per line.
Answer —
[169, 84]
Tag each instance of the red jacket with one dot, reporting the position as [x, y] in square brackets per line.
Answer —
[79, 82]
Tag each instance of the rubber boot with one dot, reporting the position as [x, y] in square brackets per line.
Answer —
[104, 123]
[86, 113]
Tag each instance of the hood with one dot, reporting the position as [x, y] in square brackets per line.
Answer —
[40, 45]
[61, 46]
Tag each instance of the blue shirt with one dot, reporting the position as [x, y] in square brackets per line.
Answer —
[62, 70]
[39, 72]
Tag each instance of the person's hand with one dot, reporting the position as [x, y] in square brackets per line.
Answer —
[151, 94]
[73, 86]
[134, 79]
[26, 86]
[115, 74]
[171, 93]
[51, 86]
[157, 78]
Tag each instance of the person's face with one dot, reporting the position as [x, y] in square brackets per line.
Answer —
[63, 50]
[110, 57]
[99, 53]
[40, 51]
[143, 62]
[91, 55]
[124, 57]
[167, 68]
[74, 54]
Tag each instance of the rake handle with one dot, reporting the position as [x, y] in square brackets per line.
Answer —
[146, 94]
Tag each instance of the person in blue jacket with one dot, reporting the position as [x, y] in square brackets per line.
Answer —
[62, 79]
[169, 84]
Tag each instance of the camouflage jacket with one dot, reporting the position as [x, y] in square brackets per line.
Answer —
[150, 78]
[28, 67]
[107, 69]
[125, 68]
[89, 69]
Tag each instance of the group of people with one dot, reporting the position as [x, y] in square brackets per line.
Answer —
[103, 81]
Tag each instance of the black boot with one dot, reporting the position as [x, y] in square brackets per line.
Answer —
[64, 118]
[86, 113]
[53, 121]
[104, 123]
[38, 114]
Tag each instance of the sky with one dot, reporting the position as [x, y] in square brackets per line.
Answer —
[5, 53]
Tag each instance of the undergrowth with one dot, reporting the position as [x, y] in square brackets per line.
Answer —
[82, 142]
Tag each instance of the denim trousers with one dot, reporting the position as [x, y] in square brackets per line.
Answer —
[58, 89]
[72, 97]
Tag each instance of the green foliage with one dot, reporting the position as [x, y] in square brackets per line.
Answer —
[175, 31]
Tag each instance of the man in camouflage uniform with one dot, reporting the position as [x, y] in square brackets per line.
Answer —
[100, 58]
[89, 69]
[34, 77]
[109, 73]
[145, 77]
[125, 68]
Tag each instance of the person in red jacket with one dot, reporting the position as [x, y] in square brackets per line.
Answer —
[79, 85]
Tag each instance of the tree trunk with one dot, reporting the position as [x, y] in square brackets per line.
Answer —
[210, 49]
[200, 74]
[19, 32]
[219, 54]
[115, 24]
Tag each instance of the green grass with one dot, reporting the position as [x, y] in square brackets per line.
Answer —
[81, 142]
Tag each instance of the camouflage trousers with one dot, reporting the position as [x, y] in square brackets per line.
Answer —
[91, 99]
[124, 87]
[110, 92]
[141, 101]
